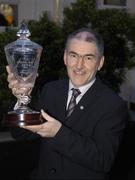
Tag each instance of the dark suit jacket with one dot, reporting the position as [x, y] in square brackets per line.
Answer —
[86, 145]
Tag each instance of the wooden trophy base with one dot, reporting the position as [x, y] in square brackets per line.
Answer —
[23, 119]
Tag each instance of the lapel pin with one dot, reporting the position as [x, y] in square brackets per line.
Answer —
[81, 107]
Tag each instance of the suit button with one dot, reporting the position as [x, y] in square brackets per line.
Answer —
[53, 170]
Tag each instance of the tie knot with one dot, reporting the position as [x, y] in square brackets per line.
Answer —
[75, 92]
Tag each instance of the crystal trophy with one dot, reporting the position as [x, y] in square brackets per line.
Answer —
[23, 57]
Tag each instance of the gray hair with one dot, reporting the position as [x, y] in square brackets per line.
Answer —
[88, 35]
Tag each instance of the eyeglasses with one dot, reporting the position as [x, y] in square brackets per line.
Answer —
[87, 57]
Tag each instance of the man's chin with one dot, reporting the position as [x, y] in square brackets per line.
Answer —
[78, 84]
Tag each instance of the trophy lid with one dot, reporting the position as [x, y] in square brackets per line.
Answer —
[23, 54]
[23, 45]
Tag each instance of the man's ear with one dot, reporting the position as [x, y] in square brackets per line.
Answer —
[101, 63]
[65, 57]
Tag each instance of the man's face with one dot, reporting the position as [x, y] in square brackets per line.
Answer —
[82, 61]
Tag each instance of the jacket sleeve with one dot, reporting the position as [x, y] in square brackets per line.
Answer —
[22, 134]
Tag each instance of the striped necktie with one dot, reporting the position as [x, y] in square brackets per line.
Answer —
[72, 103]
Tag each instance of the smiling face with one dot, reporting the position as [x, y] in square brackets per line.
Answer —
[82, 61]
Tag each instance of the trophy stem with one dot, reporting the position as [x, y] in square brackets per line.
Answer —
[21, 105]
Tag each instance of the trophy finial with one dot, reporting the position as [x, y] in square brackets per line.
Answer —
[23, 31]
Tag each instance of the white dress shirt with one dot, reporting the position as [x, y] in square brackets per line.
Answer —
[83, 90]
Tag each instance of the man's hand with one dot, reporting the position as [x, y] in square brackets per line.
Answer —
[47, 129]
[11, 79]
[15, 86]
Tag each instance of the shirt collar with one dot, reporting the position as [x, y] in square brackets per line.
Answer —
[83, 88]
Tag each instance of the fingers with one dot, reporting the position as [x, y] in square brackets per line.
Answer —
[8, 69]
[11, 78]
[46, 116]
[18, 87]
[12, 82]
[21, 90]
[47, 129]
[33, 128]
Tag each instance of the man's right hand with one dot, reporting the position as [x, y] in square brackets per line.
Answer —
[16, 87]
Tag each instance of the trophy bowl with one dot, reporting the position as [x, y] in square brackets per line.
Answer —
[23, 57]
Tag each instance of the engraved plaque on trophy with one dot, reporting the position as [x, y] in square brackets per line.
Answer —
[23, 57]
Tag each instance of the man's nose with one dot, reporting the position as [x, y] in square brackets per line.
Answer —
[80, 62]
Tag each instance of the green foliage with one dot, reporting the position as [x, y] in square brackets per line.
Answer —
[78, 15]
[49, 35]
[5, 93]
[117, 29]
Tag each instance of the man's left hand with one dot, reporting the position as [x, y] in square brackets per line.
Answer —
[47, 129]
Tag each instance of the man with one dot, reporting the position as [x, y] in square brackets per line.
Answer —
[77, 141]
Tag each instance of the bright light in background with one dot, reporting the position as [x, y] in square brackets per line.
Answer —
[57, 15]
[7, 11]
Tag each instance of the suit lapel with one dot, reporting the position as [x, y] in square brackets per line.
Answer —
[63, 94]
